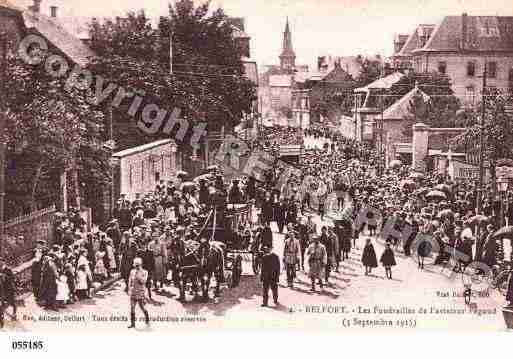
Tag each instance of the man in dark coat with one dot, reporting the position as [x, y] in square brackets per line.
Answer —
[48, 288]
[8, 297]
[267, 237]
[302, 230]
[291, 212]
[267, 209]
[235, 194]
[35, 277]
[329, 252]
[270, 275]
[281, 214]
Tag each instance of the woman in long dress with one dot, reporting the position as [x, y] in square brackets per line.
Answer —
[369, 258]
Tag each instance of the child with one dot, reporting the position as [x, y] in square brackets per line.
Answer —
[388, 260]
[62, 291]
[70, 280]
[82, 287]
[100, 271]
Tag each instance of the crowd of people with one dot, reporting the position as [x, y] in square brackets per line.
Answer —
[154, 229]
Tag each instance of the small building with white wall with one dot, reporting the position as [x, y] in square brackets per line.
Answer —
[139, 169]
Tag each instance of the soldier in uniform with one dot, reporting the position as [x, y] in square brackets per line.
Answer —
[317, 260]
[291, 256]
[137, 291]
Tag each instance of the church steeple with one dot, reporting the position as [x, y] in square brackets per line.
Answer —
[287, 57]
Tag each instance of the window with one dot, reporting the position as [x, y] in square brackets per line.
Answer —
[442, 67]
[470, 94]
[471, 69]
[491, 70]
[510, 77]
[142, 171]
[130, 176]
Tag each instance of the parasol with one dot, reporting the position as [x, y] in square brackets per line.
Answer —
[205, 177]
[504, 232]
[396, 163]
[444, 188]
[212, 168]
[408, 183]
[435, 194]
[422, 191]
[446, 213]
[187, 185]
[478, 219]
[417, 175]
[181, 174]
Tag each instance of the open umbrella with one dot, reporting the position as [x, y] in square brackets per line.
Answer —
[213, 168]
[444, 188]
[417, 175]
[422, 191]
[181, 174]
[446, 213]
[435, 194]
[205, 177]
[478, 220]
[187, 185]
[396, 163]
[504, 232]
[408, 184]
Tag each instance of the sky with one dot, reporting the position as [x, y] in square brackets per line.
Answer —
[319, 27]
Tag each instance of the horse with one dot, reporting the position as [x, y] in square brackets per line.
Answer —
[199, 264]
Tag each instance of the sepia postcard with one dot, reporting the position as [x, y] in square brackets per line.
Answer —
[341, 165]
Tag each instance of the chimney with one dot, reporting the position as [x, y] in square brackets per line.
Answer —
[53, 11]
[36, 6]
[464, 30]
[320, 62]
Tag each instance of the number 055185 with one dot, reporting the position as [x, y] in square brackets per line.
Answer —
[27, 345]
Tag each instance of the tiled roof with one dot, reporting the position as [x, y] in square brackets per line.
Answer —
[55, 33]
[414, 40]
[10, 5]
[484, 33]
[142, 148]
[401, 108]
[308, 76]
[382, 83]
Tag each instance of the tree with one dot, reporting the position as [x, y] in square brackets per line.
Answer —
[371, 70]
[48, 130]
[207, 83]
[497, 129]
[439, 111]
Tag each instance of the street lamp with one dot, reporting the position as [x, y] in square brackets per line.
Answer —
[503, 188]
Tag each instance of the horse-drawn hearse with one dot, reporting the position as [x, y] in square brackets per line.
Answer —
[218, 251]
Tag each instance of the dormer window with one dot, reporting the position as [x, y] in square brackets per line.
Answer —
[442, 67]
[471, 69]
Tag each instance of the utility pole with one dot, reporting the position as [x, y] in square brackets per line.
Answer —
[170, 9]
[481, 142]
[3, 112]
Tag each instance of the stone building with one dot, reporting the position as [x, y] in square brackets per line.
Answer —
[461, 47]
